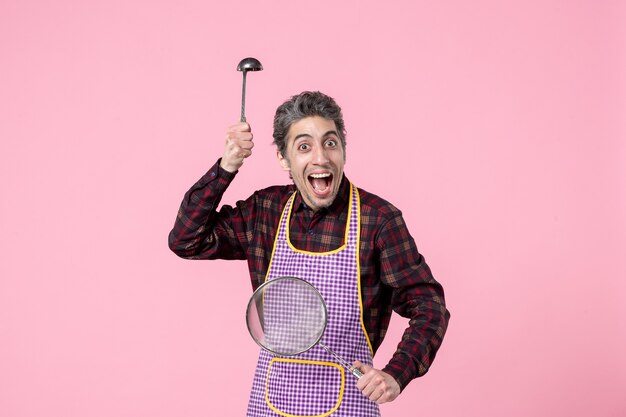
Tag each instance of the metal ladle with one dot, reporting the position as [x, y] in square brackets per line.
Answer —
[245, 65]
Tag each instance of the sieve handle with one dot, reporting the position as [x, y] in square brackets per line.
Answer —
[355, 371]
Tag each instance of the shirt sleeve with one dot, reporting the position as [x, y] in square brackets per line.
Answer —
[203, 232]
[417, 296]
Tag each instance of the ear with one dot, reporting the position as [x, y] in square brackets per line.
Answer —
[283, 161]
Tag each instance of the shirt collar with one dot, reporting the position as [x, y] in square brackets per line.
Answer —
[337, 207]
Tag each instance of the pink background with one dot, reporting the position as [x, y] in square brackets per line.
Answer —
[498, 129]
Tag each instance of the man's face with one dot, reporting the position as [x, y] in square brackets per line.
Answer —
[315, 157]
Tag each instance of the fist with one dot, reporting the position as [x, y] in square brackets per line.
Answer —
[377, 385]
[238, 146]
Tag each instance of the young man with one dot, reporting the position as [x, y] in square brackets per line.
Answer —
[353, 246]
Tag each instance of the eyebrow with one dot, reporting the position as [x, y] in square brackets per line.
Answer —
[306, 135]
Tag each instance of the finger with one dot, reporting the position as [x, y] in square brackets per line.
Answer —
[378, 389]
[246, 144]
[375, 387]
[363, 367]
[388, 395]
[240, 127]
[239, 136]
[384, 398]
[235, 147]
[364, 380]
[238, 153]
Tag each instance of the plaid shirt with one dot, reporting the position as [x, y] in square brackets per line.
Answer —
[394, 276]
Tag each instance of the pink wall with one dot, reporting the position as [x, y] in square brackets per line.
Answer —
[499, 130]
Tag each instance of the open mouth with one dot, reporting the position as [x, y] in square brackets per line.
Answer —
[321, 183]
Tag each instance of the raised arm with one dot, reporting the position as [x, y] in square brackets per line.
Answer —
[200, 230]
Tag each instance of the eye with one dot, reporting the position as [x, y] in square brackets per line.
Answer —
[304, 147]
[331, 143]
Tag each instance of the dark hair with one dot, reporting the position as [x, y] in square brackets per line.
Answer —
[306, 104]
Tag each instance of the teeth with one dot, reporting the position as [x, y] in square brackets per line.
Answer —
[320, 175]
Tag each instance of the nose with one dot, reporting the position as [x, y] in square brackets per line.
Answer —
[320, 156]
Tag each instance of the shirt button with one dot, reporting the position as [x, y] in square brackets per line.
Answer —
[311, 232]
[212, 173]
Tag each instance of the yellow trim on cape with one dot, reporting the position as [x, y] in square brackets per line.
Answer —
[345, 243]
[358, 266]
[280, 219]
[305, 362]
[345, 235]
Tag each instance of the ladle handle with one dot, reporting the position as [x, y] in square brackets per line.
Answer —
[243, 97]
